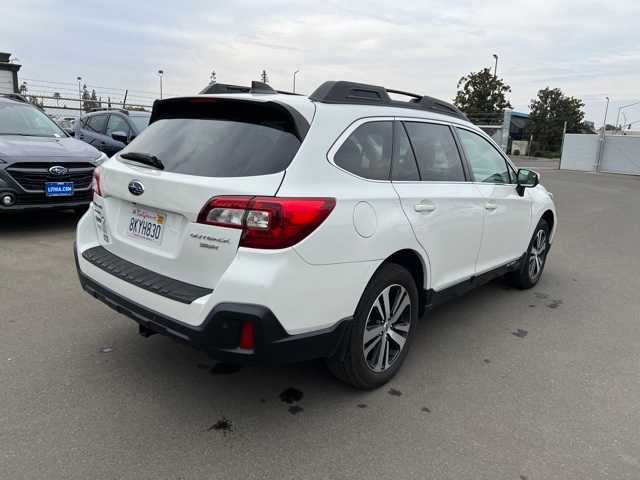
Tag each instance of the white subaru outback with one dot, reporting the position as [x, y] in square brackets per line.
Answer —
[267, 227]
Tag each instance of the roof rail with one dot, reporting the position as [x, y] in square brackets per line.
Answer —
[256, 87]
[107, 109]
[363, 94]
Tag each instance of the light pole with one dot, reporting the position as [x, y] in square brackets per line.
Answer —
[294, 80]
[160, 73]
[604, 122]
[79, 93]
[495, 71]
[620, 110]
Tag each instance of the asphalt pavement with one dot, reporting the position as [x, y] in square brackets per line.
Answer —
[500, 384]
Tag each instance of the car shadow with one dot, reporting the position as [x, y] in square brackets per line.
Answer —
[38, 221]
[210, 392]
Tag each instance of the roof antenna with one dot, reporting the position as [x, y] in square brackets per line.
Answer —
[261, 87]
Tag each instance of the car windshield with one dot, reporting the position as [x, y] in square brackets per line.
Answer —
[140, 121]
[22, 119]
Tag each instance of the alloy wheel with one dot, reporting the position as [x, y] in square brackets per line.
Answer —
[387, 328]
[537, 254]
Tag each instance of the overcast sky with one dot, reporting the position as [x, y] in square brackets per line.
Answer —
[589, 49]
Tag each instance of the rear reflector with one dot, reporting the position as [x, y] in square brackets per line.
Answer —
[268, 222]
[247, 336]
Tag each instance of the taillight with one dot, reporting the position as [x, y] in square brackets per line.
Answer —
[268, 222]
[95, 183]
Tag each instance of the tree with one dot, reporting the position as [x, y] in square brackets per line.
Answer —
[23, 88]
[86, 99]
[549, 111]
[482, 92]
[56, 95]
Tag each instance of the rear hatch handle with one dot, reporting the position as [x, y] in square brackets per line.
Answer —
[145, 158]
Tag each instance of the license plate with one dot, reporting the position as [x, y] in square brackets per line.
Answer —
[58, 189]
[146, 224]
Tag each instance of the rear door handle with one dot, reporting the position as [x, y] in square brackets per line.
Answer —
[424, 207]
[490, 206]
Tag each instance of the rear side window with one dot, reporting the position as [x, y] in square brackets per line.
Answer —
[211, 138]
[97, 123]
[367, 151]
[436, 152]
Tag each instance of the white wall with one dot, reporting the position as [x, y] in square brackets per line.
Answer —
[621, 155]
[579, 152]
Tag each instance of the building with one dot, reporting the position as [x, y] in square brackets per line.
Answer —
[8, 74]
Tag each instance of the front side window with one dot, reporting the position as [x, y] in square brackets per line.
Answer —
[436, 152]
[97, 123]
[487, 164]
[117, 124]
[367, 151]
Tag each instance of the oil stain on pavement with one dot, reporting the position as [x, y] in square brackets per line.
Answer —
[394, 392]
[520, 333]
[224, 425]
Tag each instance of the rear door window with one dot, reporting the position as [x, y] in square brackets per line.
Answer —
[404, 168]
[436, 152]
[218, 138]
[367, 151]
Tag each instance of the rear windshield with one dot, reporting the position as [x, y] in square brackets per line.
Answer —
[227, 142]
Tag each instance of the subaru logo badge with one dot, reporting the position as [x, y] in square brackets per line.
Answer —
[58, 170]
[136, 188]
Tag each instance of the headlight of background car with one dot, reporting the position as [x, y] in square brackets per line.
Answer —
[100, 159]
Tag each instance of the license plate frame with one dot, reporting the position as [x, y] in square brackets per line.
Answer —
[59, 189]
[146, 224]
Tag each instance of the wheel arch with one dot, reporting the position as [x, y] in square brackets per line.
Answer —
[415, 264]
[550, 218]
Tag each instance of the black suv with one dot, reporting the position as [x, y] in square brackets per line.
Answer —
[111, 130]
[40, 165]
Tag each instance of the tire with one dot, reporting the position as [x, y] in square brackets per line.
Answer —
[370, 363]
[529, 273]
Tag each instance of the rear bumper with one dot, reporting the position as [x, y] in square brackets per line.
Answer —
[219, 334]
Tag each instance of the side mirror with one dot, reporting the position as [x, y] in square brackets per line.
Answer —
[120, 137]
[526, 179]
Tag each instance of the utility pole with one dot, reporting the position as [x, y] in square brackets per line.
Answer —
[160, 73]
[604, 137]
[79, 93]
[294, 80]
[264, 77]
[495, 70]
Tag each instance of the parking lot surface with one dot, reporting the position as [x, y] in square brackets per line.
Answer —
[500, 384]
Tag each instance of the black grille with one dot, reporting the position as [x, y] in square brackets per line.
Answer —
[42, 199]
[32, 176]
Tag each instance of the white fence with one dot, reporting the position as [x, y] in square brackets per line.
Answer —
[617, 154]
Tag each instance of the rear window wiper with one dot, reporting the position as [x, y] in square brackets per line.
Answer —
[145, 158]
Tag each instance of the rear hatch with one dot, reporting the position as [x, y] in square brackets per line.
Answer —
[208, 147]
